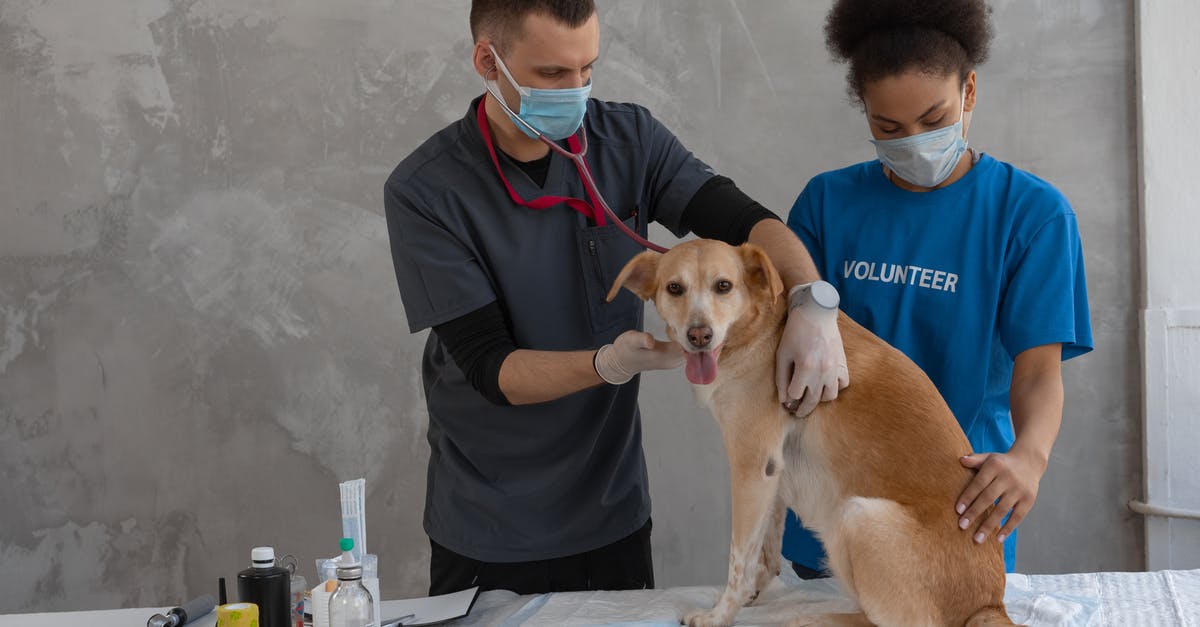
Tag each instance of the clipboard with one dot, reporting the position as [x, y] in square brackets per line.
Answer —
[428, 610]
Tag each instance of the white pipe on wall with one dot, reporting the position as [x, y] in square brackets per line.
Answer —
[1147, 509]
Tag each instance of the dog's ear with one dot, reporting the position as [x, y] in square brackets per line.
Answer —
[760, 272]
[638, 276]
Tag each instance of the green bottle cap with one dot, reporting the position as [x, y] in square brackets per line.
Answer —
[347, 544]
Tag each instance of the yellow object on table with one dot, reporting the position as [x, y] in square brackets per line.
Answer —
[237, 615]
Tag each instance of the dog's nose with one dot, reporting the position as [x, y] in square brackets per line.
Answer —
[699, 336]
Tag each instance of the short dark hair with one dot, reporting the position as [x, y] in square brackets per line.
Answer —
[502, 19]
[882, 38]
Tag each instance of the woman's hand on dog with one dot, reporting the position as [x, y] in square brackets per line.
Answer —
[810, 364]
[1010, 480]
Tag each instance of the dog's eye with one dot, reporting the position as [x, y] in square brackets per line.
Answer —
[723, 286]
[674, 289]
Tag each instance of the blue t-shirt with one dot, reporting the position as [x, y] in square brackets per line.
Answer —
[961, 279]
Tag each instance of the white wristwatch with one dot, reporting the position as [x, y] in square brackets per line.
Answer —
[819, 293]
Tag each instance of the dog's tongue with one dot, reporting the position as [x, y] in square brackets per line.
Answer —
[701, 367]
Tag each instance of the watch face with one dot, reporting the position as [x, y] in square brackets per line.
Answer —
[819, 293]
[824, 294]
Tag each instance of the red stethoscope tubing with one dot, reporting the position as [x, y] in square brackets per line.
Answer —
[585, 172]
[589, 182]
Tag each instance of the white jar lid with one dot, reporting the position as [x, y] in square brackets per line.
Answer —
[263, 556]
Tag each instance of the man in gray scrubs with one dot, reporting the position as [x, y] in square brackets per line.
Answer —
[537, 480]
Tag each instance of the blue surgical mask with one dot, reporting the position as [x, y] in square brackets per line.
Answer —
[556, 113]
[925, 159]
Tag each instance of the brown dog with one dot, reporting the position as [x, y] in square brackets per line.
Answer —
[874, 474]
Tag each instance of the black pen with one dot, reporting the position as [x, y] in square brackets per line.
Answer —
[396, 622]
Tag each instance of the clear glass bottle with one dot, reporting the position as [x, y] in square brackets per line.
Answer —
[351, 604]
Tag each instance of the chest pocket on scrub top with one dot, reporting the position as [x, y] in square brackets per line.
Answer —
[603, 252]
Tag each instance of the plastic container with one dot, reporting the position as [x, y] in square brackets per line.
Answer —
[354, 515]
[299, 587]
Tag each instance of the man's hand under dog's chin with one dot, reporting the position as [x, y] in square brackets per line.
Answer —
[633, 352]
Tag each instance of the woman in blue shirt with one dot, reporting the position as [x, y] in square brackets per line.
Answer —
[970, 266]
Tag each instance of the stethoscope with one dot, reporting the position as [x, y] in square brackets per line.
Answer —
[585, 173]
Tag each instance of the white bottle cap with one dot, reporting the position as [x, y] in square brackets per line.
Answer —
[262, 556]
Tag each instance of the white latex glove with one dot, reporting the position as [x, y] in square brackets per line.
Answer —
[810, 365]
[633, 352]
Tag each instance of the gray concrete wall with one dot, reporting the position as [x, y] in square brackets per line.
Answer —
[1171, 267]
[200, 332]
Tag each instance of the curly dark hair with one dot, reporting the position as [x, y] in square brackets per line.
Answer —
[881, 38]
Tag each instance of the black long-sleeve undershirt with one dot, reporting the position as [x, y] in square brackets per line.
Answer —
[481, 340]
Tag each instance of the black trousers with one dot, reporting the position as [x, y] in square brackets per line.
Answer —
[808, 573]
[622, 565]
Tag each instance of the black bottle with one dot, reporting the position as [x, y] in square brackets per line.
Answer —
[268, 586]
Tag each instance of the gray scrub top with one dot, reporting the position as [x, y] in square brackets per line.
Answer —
[509, 484]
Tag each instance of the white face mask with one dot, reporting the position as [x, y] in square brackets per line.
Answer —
[925, 159]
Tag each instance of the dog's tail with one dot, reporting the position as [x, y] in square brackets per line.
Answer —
[989, 616]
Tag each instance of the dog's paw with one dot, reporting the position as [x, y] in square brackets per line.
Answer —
[703, 618]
